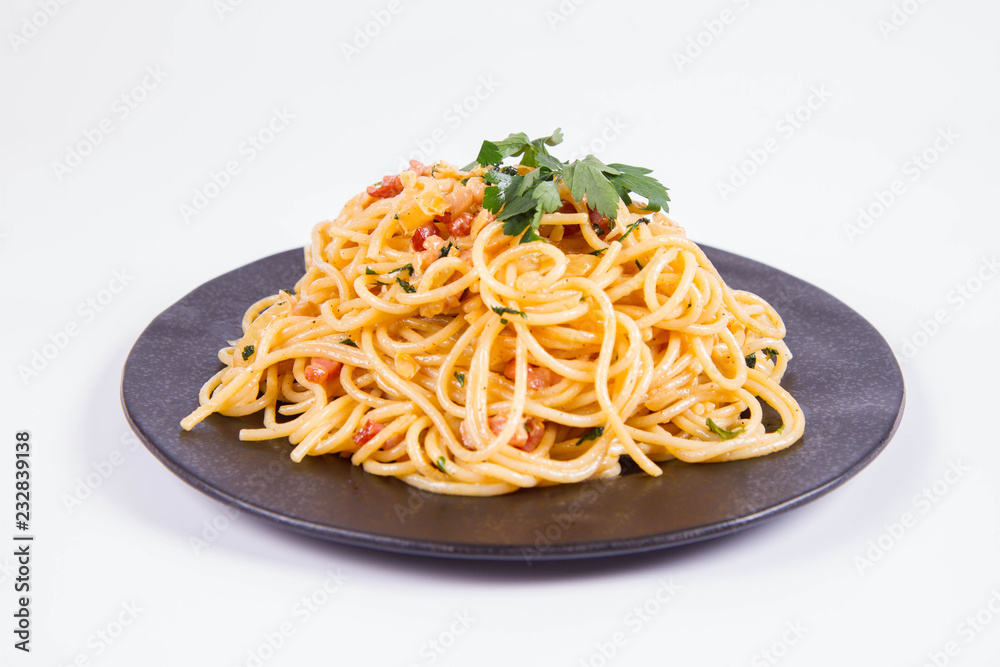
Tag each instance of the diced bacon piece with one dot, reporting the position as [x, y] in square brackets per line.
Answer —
[390, 187]
[461, 225]
[477, 187]
[320, 369]
[539, 377]
[536, 430]
[419, 168]
[431, 252]
[421, 234]
[459, 199]
[496, 424]
[526, 438]
[601, 223]
[368, 431]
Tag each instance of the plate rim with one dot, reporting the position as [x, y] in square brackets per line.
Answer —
[479, 551]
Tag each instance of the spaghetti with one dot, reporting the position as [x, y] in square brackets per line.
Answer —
[426, 344]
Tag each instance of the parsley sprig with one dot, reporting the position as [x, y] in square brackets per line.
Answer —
[521, 199]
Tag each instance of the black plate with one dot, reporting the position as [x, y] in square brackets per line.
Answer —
[843, 374]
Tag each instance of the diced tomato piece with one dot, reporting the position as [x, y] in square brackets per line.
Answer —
[390, 187]
[422, 233]
[368, 431]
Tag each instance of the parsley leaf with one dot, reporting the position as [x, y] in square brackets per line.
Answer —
[721, 432]
[502, 310]
[587, 177]
[520, 201]
[445, 250]
[369, 272]
[546, 194]
[247, 352]
[492, 152]
[598, 252]
[407, 287]
[634, 179]
[592, 434]
[751, 360]
[632, 227]
[406, 267]
[349, 342]
[440, 464]
[771, 353]
[461, 378]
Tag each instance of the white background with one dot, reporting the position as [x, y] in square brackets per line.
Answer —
[610, 74]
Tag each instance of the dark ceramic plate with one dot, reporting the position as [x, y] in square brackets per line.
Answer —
[844, 376]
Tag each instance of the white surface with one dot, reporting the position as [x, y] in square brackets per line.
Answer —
[608, 67]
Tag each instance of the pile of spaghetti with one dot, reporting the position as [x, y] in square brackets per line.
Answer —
[452, 335]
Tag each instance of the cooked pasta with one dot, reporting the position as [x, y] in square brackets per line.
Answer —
[427, 344]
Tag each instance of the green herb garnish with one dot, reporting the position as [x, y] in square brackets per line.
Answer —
[638, 265]
[520, 201]
[445, 250]
[406, 267]
[370, 272]
[348, 341]
[751, 358]
[247, 352]
[721, 432]
[592, 434]
[461, 378]
[771, 353]
[440, 464]
[503, 310]
[407, 287]
[598, 252]
[632, 227]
